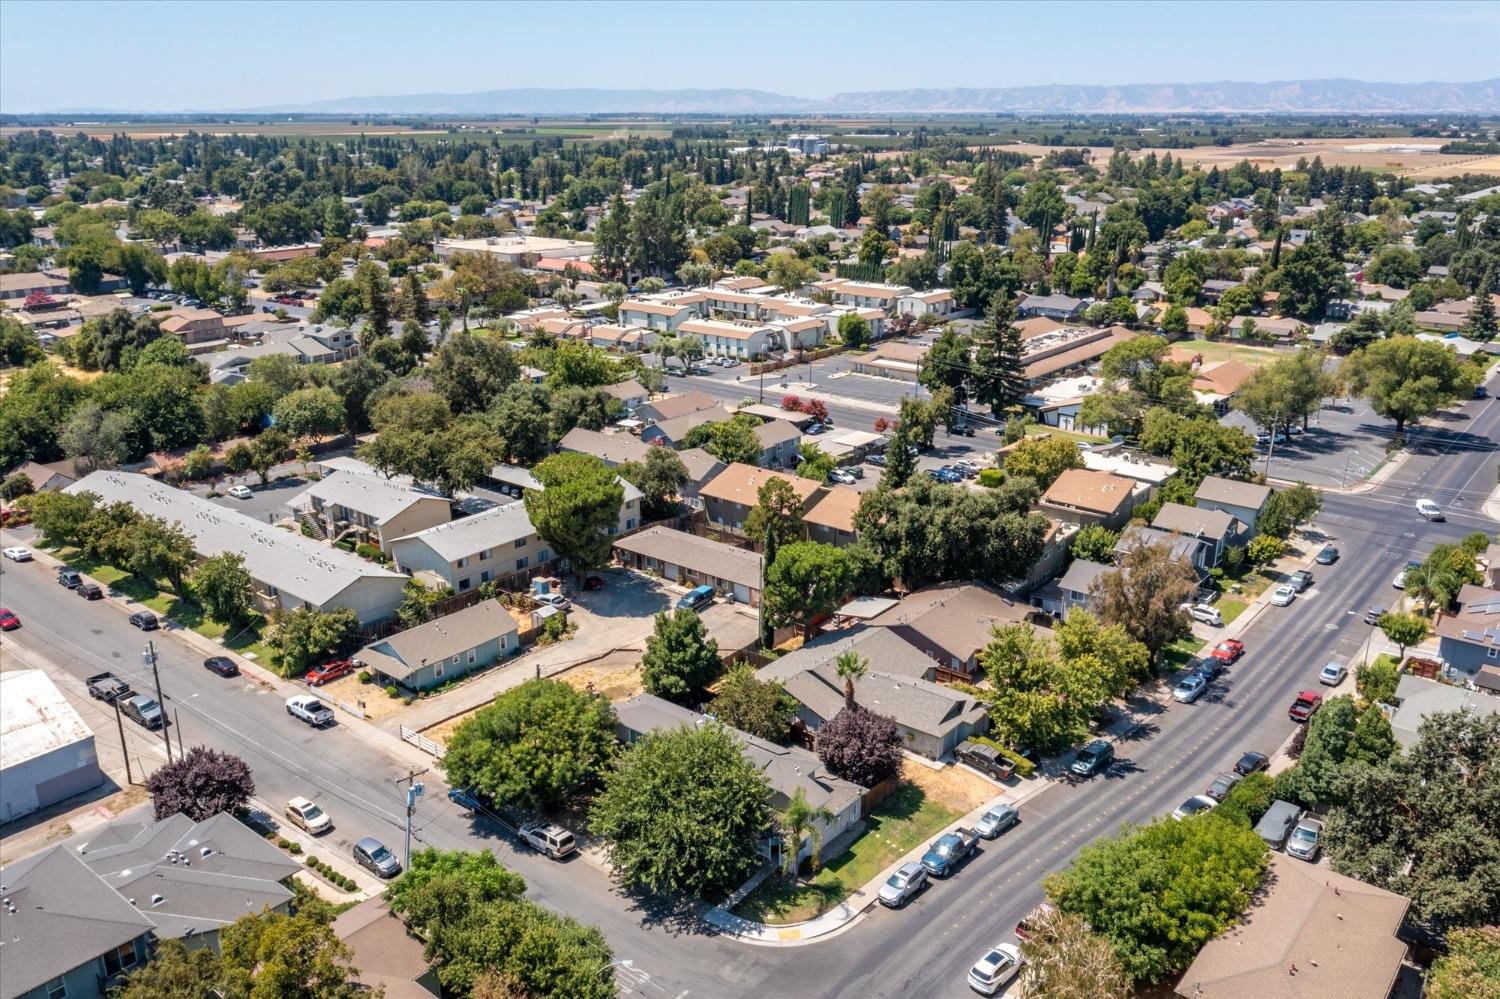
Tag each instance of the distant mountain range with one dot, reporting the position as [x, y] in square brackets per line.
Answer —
[1285, 96]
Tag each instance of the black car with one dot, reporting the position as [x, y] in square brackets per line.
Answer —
[221, 665]
[1251, 763]
[89, 591]
[145, 620]
[1327, 555]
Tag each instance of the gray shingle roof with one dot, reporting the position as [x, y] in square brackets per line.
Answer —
[886, 651]
[372, 495]
[612, 449]
[1232, 492]
[405, 652]
[494, 528]
[919, 705]
[1194, 521]
[698, 554]
[1081, 575]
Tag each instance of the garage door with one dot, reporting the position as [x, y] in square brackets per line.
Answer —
[741, 593]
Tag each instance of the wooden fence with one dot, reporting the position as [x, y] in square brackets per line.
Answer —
[429, 746]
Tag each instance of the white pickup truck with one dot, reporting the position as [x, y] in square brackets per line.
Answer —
[310, 709]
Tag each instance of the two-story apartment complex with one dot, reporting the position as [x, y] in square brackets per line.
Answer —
[743, 340]
[729, 496]
[369, 508]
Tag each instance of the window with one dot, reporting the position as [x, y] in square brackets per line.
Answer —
[57, 989]
[462, 562]
[473, 657]
[522, 563]
[437, 670]
[543, 556]
[463, 584]
[485, 576]
[455, 658]
[630, 524]
[484, 555]
[119, 959]
[1492, 653]
[520, 542]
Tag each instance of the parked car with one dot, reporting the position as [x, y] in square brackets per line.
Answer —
[985, 759]
[1277, 822]
[903, 886]
[1251, 763]
[1333, 674]
[69, 578]
[950, 850]
[1093, 758]
[1400, 581]
[814, 428]
[545, 837]
[1374, 614]
[1189, 688]
[1227, 651]
[697, 598]
[1195, 805]
[842, 477]
[145, 620]
[239, 492]
[107, 687]
[996, 968]
[1301, 579]
[329, 671]
[1327, 555]
[1209, 669]
[1283, 595]
[18, 554]
[878, 460]
[1222, 785]
[996, 821]
[557, 600]
[372, 855]
[1428, 509]
[1305, 706]
[309, 709]
[308, 816]
[8, 619]
[968, 466]
[142, 710]
[1204, 614]
[221, 665]
[1306, 840]
[89, 591]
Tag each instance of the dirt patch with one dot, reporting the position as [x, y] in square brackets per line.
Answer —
[617, 676]
[952, 787]
[349, 690]
[443, 731]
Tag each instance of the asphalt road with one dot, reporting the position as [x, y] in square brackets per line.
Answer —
[925, 949]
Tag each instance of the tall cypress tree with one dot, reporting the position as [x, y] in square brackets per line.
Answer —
[1480, 324]
[998, 376]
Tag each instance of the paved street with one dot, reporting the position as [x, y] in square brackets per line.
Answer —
[925, 949]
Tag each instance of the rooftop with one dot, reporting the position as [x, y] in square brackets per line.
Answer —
[494, 528]
[405, 652]
[612, 449]
[1082, 489]
[1232, 492]
[35, 718]
[740, 483]
[1194, 521]
[737, 565]
[372, 495]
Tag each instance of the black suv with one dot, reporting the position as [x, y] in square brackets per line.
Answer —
[145, 620]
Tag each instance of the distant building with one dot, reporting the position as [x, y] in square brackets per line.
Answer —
[47, 753]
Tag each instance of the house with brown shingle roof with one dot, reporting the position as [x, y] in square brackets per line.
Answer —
[1080, 496]
[673, 406]
[729, 496]
[830, 520]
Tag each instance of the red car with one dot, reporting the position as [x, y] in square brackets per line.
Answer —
[1305, 705]
[594, 583]
[1228, 650]
[8, 619]
[319, 675]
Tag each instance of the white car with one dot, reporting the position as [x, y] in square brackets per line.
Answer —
[991, 972]
[1204, 613]
[1284, 595]
[308, 816]
[553, 600]
[239, 492]
[18, 554]
[1195, 805]
[1427, 508]
[1189, 689]
[1333, 674]
[842, 477]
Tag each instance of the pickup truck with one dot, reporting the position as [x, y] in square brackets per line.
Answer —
[107, 687]
[949, 851]
[309, 709]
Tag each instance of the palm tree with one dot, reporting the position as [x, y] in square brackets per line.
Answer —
[1432, 582]
[800, 820]
[851, 666]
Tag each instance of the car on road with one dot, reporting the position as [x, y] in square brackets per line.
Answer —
[902, 886]
[239, 492]
[697, 598]
[1400, 581]
[68, 578]
[1374, 614]
[1305, 706]
[1284, 595]
[1481, 392]
[1029, 922]
[1195, 805]
[1333, 674]
[1251, 763]
[996, 821]
[1429, 510]
[1189, 689]
[1305, 840]
[593, 583]
[1327, 555]
[18, 554]
[1204, 614]
[307, 816]
[814, 428]
[557, 600]
[309, 709]
[1209, 669]
[329, 671]
[145, 620]
[1222, 785]
[372, 855]
[221, 665]
[1227, 651]
[950, 850]
[1301, 580]
[993, 971]
[548, 838]
[842, 477]
[8, 619]
[1093, 758]
[142, 710]
[89, 591]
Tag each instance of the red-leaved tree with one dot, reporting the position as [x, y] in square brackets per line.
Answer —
[202, 784]
[861, 746]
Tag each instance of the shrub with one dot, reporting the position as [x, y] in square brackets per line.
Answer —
[364, 676]
[1024, 767]
[284, 843]
[391, 691]
[295, 848]
[367, 551]
[1249, 799]
[991, 478]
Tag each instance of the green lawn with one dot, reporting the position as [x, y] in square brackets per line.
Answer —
[1225, 350]
[1039, 429]
[1231, 608]
[1182, 651]
[903, 821]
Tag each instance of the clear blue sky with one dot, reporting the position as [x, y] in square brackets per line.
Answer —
[181, 56]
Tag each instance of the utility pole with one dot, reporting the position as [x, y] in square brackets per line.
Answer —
[413, 792]
[149, 658]
[115, 703]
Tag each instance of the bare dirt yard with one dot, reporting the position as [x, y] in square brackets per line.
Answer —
[951, 787]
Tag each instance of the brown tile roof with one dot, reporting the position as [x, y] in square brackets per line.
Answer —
[668, 309]
[674, 406]
[1082, 489]
[953, 617]
[836, 509]
[740, 483]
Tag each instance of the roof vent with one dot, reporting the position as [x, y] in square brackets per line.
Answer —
[157, 900]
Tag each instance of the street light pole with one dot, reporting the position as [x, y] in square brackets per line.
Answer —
[413, 792]
[149, 657]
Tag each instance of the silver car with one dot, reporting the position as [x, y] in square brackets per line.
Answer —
[900, 887]
[996, 821]
[1305, 840]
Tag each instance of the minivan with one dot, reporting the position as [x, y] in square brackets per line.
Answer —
[1277, 822]
[142, 710]
[1093, 758]
[697, 598]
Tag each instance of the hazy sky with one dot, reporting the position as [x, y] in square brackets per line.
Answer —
[182, 56]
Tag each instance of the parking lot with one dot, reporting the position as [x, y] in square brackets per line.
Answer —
[1344, 443]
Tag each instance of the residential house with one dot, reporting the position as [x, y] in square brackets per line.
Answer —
[937, 302]
[612, 449]
[1245, 501]
[874, 318]
[1214, 289]
[743, 340]
[779, 440]
[729, 496]
[445, 648]
[951, 623]
[45, 282]
[368, 508]
[1418, 697]
[870, 295]
[1059, 307]
[673, 406]
[388, 957]
[621, 339]
[701, 467]
[673, 432]
[1075, 588]
[1309, 932]
[497, 545]
[194, 326]
[666, 313]
[902, 361]
[1214, 529]
[1179, 546]
[1490, 562]
[48, 477]
[777, 308]
[1469, 636]
[289, 570]
[788, 769]
[631, 393]
[565, 328]
[690, 560]
[1080, 496]
[830, 520]
[49, 754]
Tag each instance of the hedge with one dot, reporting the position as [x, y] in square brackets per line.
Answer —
[332, 876]
[1024, 767]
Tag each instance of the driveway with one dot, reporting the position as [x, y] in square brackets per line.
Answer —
[1344, 443]
[266, 503]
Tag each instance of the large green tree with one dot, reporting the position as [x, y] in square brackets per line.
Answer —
[804, 582]
[224, 588]
[1065, 959]
[997, 376]
[759, 707]
[576, 508]
[680, 659]
[1145, 594]
[1406, 379]
[1042, 459]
